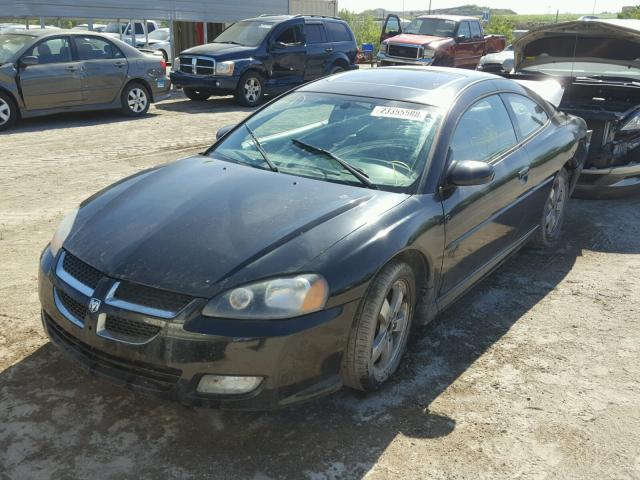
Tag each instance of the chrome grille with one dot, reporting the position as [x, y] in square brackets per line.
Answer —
[125, 329]
[77, 274]
[73, 310]
[197, 65]
[404, 51]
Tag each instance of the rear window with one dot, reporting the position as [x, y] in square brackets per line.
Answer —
[338, 32]
[315, 33]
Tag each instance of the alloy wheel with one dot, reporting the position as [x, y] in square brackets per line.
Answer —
[555, 206]
[137, 100]
[252, 90]
[5, 112]
[391, 329]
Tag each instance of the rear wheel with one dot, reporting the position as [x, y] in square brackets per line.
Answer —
[379, 335]
[553, 214]
[8, 111]
[135, 100]
[336, 69]
[250, 89]
[197, 95]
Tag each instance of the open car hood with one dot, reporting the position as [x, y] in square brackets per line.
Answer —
[595, 41]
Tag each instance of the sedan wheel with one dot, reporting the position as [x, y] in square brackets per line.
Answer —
[135, 100]
[8, 111]
[550, 227]
[379, 335]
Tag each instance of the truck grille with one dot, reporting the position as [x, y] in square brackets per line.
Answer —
[121, 370]
[197, 65]
[130, 329]
[404, 51]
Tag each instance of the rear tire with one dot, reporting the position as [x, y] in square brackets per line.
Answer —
[553, 213]
[135, 100]
[8, 111]
[250, 90]
[378, 337]
[196, 95]
[336, 69]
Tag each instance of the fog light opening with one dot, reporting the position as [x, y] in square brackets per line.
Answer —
[228, 384]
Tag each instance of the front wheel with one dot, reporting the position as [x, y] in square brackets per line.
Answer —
[379, 334]
[8, 111]
[135, 100]
[553, 214]
[250, 89]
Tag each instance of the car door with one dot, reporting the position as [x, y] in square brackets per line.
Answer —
[478, 43]
[56, 81]
[288, 52]
[341, 41]
[482, 222]
[105, 68]
[464, 46]
[317, 55]
[391, 27]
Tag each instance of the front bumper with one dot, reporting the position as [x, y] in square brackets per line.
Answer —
[212, 83]
[385, 60]
[609, 182]
[299, 358]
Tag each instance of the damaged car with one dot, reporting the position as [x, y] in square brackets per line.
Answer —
[597, 63]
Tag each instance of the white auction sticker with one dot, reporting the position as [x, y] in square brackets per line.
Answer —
[401, 113]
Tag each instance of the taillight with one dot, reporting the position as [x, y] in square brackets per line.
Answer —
[163, 64]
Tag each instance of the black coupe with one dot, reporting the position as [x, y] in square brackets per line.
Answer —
[290, 258]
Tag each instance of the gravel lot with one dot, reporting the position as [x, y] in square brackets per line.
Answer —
[535, 374]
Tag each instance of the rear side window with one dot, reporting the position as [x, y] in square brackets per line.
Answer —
[528, 114]
[338, 32]
[55, 50]
[315, 33]
[484, 131]
[463, 30]
[93, 48]
[476, 31]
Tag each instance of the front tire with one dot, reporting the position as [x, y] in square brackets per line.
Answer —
[197, 95]
[135, 100]
[378, 337]
[250, 89]
[8, 112]
[550, 229]
[336, 69]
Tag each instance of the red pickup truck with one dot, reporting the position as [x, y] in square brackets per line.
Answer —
[442, 40]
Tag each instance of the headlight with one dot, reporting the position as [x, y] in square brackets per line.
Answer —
[225, 69]
[62, 232]
[271, 299]
[383, 48]
[176, 64]
[632, 124]
[428, 53]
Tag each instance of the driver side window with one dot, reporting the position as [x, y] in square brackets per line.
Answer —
[291, 36]
[54, 50]
[484, 131]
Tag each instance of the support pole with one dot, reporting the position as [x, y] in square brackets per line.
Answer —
[132, 27]
[90, 25]
[205, 33]
[145, 28]
[119, 29]
[41, 22]
[172, 43]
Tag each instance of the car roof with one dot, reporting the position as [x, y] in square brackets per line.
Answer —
[436, 86]
[455, 18]
[284, 18]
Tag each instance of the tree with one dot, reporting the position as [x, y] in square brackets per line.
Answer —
[364, 27]
[500, 25]
[630, 12]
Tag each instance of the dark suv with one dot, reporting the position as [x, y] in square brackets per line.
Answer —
[266, 55]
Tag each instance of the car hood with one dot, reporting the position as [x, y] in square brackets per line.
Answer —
[498, 57]
[423, 40]
[597, 41]
[200, 225]
[214, 49]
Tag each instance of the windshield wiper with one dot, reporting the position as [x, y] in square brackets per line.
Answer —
[272, 166]
[355, 171]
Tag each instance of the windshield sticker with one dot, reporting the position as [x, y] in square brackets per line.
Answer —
[401, 113]
[266, 25]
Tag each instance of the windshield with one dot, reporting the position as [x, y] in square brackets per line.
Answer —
[431, 26]
[247, 33]
[160, 34]
[12, 44]
[386, 141]
[586, 69]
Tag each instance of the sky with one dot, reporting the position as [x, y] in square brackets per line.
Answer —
[519, 6]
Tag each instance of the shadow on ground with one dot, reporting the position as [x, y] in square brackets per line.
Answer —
[58, 420]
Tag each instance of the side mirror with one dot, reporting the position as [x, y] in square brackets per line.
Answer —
[223, 131]
[460, 38]
[28, 61]
[466, 173]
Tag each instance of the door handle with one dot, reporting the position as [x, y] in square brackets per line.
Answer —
[72, 68]
[328, 50]
[120, 64]
[523, 174]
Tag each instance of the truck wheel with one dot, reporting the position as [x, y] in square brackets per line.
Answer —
[135, 100]
[443, 62]
[196, 95]
[550, 228]
[379, 334]
[250, 89]
[336, 69]
[8, 111]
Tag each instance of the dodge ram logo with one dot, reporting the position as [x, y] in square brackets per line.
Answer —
[94, 305]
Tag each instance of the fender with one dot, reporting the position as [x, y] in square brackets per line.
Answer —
[9, 82]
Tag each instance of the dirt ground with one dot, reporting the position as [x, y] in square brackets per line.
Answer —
[535, 374]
